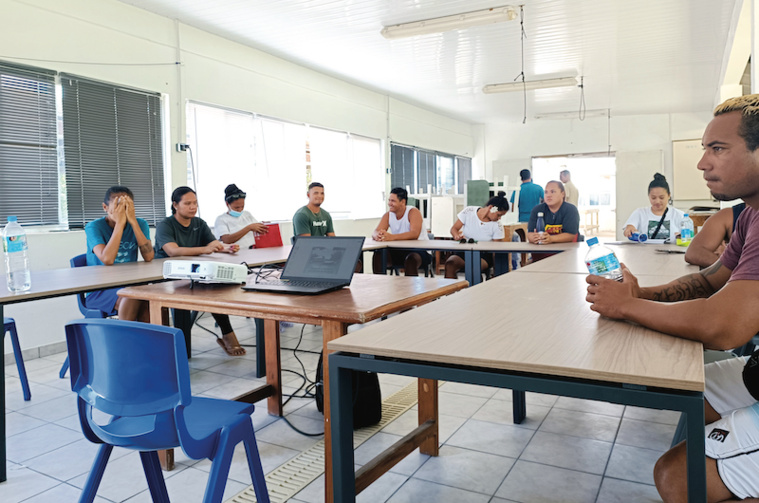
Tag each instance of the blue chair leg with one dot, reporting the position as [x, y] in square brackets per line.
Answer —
[152, 467]
[217, 479]
[11, 328]
[64, 368]
[256, 470]
[96, 474]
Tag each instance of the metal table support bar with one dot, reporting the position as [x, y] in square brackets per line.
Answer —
[342, 364]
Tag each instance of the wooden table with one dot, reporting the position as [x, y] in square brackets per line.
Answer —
[369, 297]
[641, 259]
[473, 251]
[573, 352]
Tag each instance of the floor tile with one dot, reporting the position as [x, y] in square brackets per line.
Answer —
[633, 463]
[38, 441]
[465, 469]
[623, 491]
[523, 483]
[564, 451]
[62, 493]
[280, 433]
[653, 415]
[420, 491]
[24, 483]
[657, 436]
[189, 486]
[409, 420]
[272, 456]
[16, 422]
[592, 406]
[581, 424]
[381, 441]
[493, 438]
[500, 411]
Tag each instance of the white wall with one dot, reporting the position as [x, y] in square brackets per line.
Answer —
[510, 147]
[65, 35]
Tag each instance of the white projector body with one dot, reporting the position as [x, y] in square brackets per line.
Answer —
[205, 271]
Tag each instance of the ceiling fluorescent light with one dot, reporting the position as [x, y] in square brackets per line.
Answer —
[448, 23]
[530, 85]
[601, 112]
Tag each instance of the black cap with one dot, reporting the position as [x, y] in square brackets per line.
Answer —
[232, 193]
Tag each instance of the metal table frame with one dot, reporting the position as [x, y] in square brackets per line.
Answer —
[342, 364]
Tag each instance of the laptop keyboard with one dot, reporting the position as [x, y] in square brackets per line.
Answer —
[301, 284]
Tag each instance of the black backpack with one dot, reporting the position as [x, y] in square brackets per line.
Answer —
[367, 398]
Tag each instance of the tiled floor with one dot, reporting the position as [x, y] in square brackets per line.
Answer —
[567, 450]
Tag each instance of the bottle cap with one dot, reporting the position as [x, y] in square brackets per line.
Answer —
[12, 218]
[685, 214]
[592, 241]
[540, 213]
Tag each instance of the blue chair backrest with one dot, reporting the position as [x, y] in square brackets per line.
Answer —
[81, 261]
[130, 370]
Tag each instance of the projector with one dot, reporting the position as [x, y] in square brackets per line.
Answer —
[205, 271]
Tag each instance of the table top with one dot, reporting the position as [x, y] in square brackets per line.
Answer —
[491, 326]
[641, 259]
[497, 246]
[369, 297]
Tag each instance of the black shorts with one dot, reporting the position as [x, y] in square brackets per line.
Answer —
[486, 256]
[396, 257]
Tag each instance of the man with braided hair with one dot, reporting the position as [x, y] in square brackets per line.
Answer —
[718, 306]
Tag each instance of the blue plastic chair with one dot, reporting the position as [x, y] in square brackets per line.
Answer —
[9, 326]
[138, 374]
[81, 261]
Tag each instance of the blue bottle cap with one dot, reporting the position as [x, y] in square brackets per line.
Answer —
[592, 241]
[12, 218]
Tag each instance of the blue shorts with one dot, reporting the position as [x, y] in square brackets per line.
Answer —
[103, 300]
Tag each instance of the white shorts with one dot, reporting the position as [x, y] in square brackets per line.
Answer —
[733, 440]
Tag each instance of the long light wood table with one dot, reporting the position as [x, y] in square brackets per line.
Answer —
[369, 297]
[564, 348]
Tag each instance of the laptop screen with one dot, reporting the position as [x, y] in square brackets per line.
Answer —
[323, 258]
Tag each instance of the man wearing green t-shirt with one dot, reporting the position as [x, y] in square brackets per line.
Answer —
[312, 220]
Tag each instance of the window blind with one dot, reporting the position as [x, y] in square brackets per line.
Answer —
[427, 171]
[402, 167]
[463, 173]
[111, 136]
[28, 146]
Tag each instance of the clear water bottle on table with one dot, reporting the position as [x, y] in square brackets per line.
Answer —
[16, 259]
[540, 226]
[601, 261]
[686, 231]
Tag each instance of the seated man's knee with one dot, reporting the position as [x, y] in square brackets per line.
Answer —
[670, 474]
[411, 264]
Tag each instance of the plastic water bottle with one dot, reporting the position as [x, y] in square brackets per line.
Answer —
[601, 261]
[16, 260]
[638, 237]
[686, 231]
[540, 225]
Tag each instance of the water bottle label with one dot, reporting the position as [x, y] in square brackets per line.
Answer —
[603, 265]
[686, 235]
[13, 244]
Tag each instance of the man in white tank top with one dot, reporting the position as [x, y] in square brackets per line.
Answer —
[402, 222]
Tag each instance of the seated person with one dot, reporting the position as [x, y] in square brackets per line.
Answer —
[237, 226]
[114, 239]
[717, 307]
[562, 220]
[659, 221]
[712, 239]
[184, 234]
[404, 222]
[478, 224]
[311, 219]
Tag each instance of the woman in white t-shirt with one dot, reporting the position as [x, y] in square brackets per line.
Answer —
[478, 224]
[237, 226]
[659, 221]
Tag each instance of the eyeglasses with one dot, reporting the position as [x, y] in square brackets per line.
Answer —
[463, 241]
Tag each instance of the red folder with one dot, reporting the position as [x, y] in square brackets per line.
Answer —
[270, 239]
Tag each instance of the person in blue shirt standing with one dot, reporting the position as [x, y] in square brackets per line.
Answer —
[115, 239]
[530, 195]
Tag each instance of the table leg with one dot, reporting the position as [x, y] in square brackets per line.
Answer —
[342, 427]
[501, 263]
[273, 366]
[260, 347]
[428, 411]
[696, 452]
[3, 474]
[472, 267]
[331, 330]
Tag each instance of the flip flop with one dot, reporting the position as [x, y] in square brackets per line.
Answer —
[229, 350]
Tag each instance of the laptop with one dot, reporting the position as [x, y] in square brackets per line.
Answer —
[315, 265]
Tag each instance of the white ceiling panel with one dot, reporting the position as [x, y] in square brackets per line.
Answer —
[646, 56]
